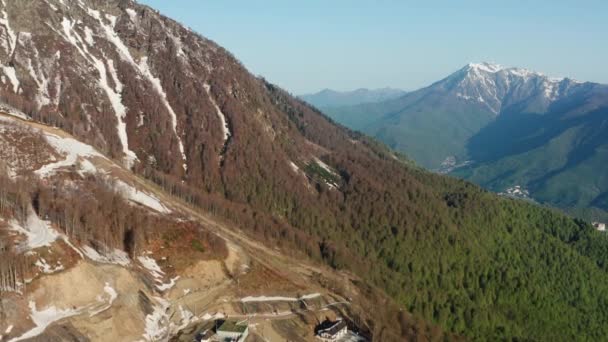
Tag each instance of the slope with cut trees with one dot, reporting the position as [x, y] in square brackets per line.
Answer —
[451, 254]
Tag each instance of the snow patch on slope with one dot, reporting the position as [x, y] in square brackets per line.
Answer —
[38, 232]
[151, 265]
[225, 129]
[294, 167]
[145, 70]
[140, 197]
[115, 256]
[13, 112]
[11, 39]
[9, 71]
[9, 44]
[46, 268]
[142, 67]
[157, 273]
[485, 66]
[132, 14]
[113, 95]
[73, 151]
[111, 297]
[167, 286]
[156, 328]
[43, 318]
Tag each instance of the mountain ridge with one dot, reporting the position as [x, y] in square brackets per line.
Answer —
[486, 119]
[333, 98]
[434, 257]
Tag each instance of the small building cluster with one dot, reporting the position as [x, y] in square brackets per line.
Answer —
[331, 331]
[232, 331]
[599, 226]
[228, 331]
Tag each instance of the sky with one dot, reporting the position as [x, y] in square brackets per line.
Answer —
[308, 45]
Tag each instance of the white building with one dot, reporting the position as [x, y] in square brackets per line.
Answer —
[332, 331]
[599, 226]
[231, 331]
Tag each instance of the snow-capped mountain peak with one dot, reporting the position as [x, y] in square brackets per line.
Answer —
[496, 87]
[485, 66]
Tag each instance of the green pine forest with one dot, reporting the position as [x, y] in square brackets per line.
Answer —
[478, 265]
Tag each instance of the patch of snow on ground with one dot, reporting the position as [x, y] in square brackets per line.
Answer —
[67, 242]
[167, 286]
[111, 292]
[111, 297]
[86, 167]
[145, 70]
[220, 114]
[38, 232]
[132, 14]
[46, 268]
[12, 111]
[140, 197]
[187, 318]
[11, 38]
[72, 149]
[156, 329]
[156, 272]
[88, 36]
[114, 97]
[42, 319]
[151, 265]
[294, 167]
[12, 76]
[116, 256]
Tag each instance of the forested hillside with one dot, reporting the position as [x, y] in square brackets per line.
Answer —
[475, 263]
[247, 152]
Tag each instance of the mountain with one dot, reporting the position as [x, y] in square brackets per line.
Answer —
[91, 251]
[503, 127]
[154, 186]
[332, 98]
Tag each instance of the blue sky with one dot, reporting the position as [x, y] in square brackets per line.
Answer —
[308, 45]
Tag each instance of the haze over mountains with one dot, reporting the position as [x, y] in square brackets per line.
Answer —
[331, 98]
[152, 187]
[501, 127]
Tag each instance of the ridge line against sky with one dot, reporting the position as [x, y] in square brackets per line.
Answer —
[309, 45]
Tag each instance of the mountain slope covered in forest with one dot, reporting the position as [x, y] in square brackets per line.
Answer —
[182, 112]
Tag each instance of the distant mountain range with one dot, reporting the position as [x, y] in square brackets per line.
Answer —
[331, 98]
[502, 127]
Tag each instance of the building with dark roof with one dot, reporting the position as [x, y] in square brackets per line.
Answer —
[332, 331]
